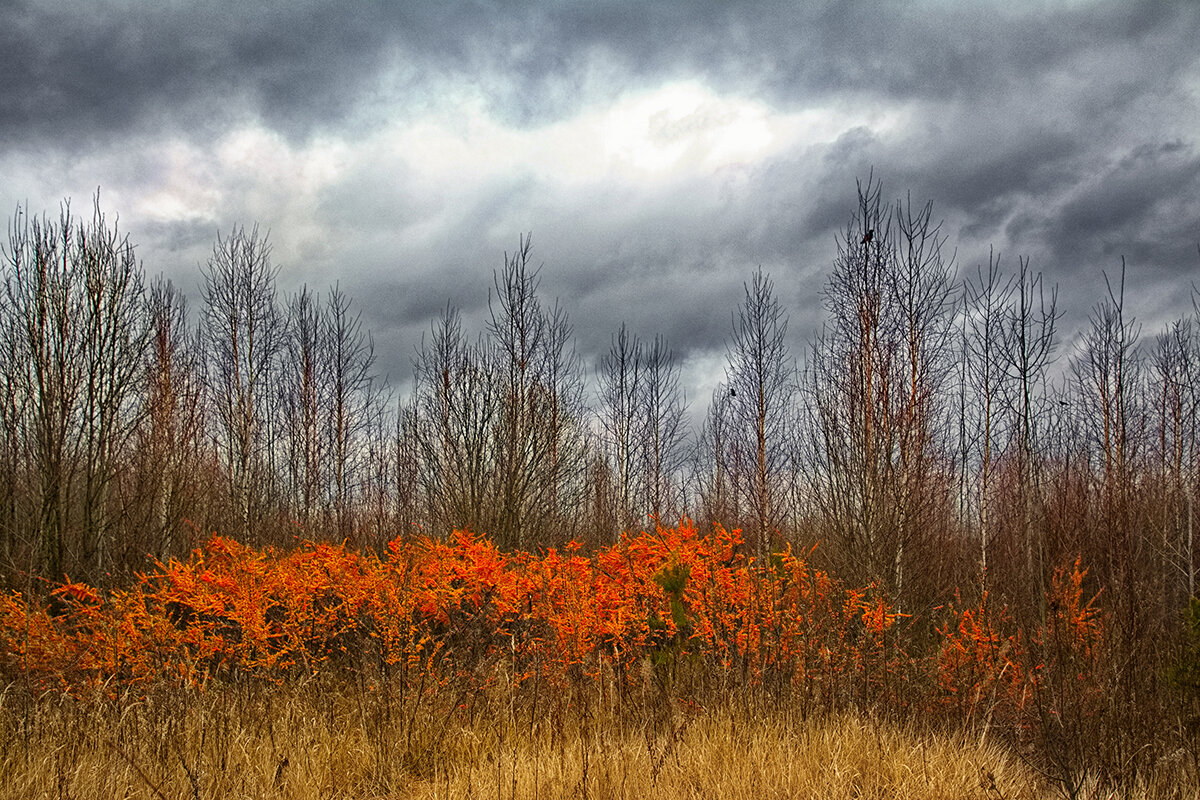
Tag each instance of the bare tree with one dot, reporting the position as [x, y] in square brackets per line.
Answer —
[1110, 383]
[717, 460]
[15, 401]
[877, 386]
[982, 423]
[641, 416]
[541, 448]
[1029, 342]
[406, 467]
[453, 423]
[1108, 371]
[115, 340]
[243, 334]
[849, 367]
[378, 524]
[569, 426]
[171, 436]
[74, 337]
[1114, 403]
[305, 386]
[761, 378]
[619, 380]
[663, 433]
[714, 459]
[1177, 398]
[44, 361]
[353, 395]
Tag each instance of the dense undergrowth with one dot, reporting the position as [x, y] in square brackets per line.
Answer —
[437, 643]
[325, 738]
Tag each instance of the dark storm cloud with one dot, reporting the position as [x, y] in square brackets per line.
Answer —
[180, 235]
[1143, 208]
[1067, 132]
[801, 52]
[75, 71]
[1149, 198]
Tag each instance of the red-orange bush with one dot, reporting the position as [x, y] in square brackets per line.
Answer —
[457, 609]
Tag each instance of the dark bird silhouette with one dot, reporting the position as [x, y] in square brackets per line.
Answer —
[869, 236]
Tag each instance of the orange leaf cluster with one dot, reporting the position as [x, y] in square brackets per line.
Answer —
[462, 609]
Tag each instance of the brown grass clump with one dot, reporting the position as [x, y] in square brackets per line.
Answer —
[342, 741]
[727, 755]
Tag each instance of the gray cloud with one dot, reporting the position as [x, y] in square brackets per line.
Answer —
[106, 67]
[1065, 132]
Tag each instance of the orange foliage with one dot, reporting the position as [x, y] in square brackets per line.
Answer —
[459, 609]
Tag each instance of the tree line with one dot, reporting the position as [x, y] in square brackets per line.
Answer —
[934, 434]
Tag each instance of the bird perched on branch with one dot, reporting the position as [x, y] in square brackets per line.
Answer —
[869, 236]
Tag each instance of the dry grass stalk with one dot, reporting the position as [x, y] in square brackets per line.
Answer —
[336, 741]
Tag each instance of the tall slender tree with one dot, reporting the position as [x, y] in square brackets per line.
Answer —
[877, 387]
[243, 333]
[761, 378]
[353, 396]
[1177, 399]
[619, 380]
[453, 424]
[305, 386]
[74, 335]
[664, 436]
[982, 429]
[541, 445]
[171, 437]
[641, 416]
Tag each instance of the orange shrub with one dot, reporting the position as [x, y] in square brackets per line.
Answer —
[459, 608]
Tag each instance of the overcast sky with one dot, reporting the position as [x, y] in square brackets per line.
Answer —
[658, 151]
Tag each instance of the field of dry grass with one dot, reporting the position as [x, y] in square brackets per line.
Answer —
[353, 741]
[323, 741]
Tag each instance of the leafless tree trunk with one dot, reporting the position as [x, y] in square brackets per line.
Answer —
[305, 401]
[453, 422]
[717, 459]
[14, 406]
[663, 436]
[44, 339]
[242, 328]
[619, 382]
[74, 336]
[378, 524]
[1178, 403]
[353, 394]
[1029, 342]
[171, 437]
[641, 416]
[541, 444]
[761, 377]
[1108, 372]
[876, 384]
[568, 436]
[116, 339]
[850, 362]
[406, 469]
[1110, 377]
[985, 304]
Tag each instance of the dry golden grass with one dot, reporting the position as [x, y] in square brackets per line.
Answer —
[347, 741]
[722, 756]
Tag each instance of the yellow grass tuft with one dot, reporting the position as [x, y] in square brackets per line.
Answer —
[348, 740]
